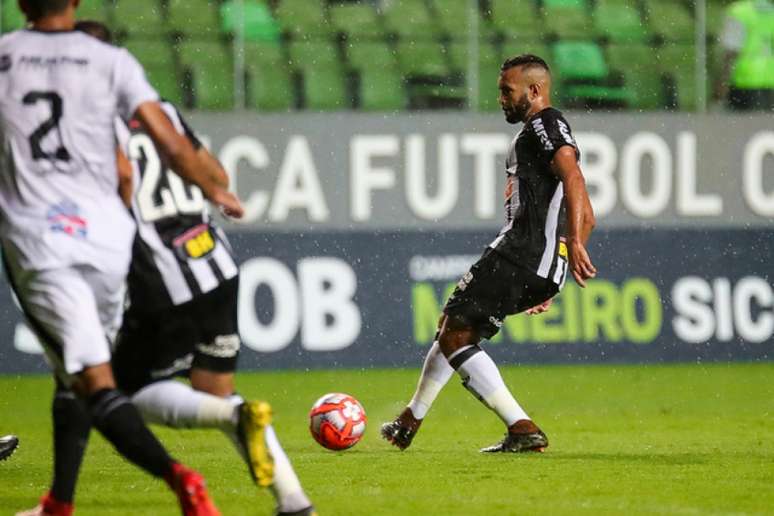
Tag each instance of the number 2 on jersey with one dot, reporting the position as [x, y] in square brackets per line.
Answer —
[162, 193]
[55, 101]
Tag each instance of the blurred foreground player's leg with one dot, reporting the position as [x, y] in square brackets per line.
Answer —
[66, 237]
[522, 269]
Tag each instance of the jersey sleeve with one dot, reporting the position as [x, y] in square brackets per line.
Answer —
[553, 132]
[132, 85]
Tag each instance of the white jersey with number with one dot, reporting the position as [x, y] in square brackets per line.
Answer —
[60, 93]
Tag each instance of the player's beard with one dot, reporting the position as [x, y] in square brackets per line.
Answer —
[518, 111]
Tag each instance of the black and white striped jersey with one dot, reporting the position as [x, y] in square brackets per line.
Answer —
[179, 252]
[534, 235]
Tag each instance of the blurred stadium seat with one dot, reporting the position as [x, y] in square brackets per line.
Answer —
[137, 17]
[209, 75]
[269, 84]
[406, 54]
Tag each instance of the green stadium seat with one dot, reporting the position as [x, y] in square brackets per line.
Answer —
[517, 18]
[324, 89]
[256, 20]
[212, 73]
[489, 63]
[453, 16]
[570, 19]
[584, 74]
[678, 61]
[302, 18]
[158, 60]
[87, 10]
[422, 59]
[635, 63]
[620, 23]
[139, 17]
[269, 85]
[381, 90]
[580, 60]
[410, 19]
[670, 20]
[324, 86]
[364, 54]
[356, 20]
[197, 18]
[572, 4]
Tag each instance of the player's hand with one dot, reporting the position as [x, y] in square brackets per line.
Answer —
[227, 202]
[541, 308]
[580, 264]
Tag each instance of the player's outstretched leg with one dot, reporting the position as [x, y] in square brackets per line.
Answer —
[247, 423]
[8, 445]
[436, 372]
[482, 378]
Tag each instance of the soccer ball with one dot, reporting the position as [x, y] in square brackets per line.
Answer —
[337, 421]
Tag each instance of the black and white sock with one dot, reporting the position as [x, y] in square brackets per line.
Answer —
[481, 377]
[120, 422]
[72, 425]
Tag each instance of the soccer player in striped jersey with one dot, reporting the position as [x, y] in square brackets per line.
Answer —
[548, 221]
[182, 317]
[66, 237]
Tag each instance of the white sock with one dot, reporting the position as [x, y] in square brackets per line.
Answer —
[435, 374]
[178, 405]
[286, 487]
[481, 376]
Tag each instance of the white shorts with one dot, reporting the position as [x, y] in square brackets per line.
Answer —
[75, 311]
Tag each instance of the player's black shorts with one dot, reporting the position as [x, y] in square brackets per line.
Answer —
[160, 345]
[494, 288]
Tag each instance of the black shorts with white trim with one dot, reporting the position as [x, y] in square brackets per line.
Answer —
[159, 345]
[493, 289]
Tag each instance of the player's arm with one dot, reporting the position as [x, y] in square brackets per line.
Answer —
[124, 178]
[181, 156]
[580, 215]
[213, 167]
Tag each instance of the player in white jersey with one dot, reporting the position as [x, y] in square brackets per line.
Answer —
[181, 321]
[66, 237]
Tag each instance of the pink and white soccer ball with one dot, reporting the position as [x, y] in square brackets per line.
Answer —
[337, 421]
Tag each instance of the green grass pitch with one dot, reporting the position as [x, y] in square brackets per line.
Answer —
[673, 439]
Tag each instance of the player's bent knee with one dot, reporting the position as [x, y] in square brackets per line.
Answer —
[94, 379]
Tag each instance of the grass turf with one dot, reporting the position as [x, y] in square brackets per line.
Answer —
[673, 439]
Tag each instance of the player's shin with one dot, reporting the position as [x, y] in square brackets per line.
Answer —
[436, 372]
[72, 425]
[482, 378]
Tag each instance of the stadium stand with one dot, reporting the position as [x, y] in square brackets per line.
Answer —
[407, 54]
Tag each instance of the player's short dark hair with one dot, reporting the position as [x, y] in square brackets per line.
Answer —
[525, 60]
[39, 8]
[94, 28]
